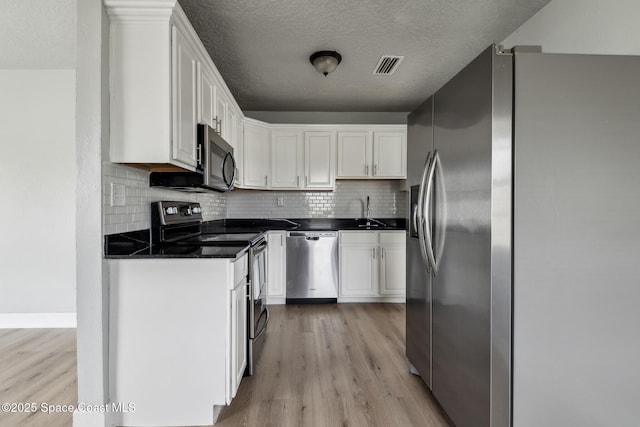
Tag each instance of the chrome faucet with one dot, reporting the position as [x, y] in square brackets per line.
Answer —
[368, 212]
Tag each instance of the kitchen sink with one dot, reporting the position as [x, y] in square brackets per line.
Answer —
[369, 223]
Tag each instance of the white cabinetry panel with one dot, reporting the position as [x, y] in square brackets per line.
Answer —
[184, 95]
[354, 154]
[256, 156]
[286, 155]
[389, 155]
[358, 270]
[276, 267]
[392, 270]
[319, 160]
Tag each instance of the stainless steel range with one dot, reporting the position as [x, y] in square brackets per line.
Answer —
[176, 225]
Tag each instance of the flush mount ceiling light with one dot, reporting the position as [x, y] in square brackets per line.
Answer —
[325, 61]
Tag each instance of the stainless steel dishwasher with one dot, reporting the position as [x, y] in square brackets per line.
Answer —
[312, 267]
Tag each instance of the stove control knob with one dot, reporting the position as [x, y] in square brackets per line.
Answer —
[171, 210]
[186, 211]
[197, 210]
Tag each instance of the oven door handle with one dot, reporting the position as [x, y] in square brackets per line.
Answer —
[264, 328]
[261, 248]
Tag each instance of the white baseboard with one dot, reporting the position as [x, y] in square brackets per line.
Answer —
[276, 300]
[37, 320]
[397, 300]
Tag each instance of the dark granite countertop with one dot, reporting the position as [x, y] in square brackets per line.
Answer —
[304, 224]
[137, 244]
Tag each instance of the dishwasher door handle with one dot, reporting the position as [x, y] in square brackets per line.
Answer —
[312, 238]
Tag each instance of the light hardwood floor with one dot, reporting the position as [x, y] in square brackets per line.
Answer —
[322, 365]
[38, 366]
[333, 365]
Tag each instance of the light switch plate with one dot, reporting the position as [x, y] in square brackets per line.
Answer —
[118, 195]
[280, 201]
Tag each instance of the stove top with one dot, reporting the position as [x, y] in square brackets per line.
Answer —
[180, 224]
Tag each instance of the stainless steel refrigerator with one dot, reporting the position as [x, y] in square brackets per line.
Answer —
[523, 287]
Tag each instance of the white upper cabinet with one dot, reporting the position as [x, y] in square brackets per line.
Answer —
[286, 157]
[354, 154]
[319, 160]
[184, 89]
[220, 114]
[373, 154]
[390, 154]
[207, 96]
[256, 156]
[162, 84]
[301, 160]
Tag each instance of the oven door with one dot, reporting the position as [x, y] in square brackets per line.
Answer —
[258, 308]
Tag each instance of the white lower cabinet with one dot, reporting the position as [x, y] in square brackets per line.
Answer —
[392, 270]
[276, 241]
[357, 270]
[372, 266]
[177, 338]
[238, 334]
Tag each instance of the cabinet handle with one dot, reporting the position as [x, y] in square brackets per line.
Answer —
[199, 158]
[281, 241]
[381, 252]
[366, 169]
[375, 170]
[373, 250]
[306, 181]
[265, 180]
[298, 181]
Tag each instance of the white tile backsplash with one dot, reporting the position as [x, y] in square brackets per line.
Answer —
[347, 201]
[136, 215]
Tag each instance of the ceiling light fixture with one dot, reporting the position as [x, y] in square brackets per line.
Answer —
[325, 61]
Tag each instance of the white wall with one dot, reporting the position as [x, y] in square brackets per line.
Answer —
[37, 188]
[583, 26]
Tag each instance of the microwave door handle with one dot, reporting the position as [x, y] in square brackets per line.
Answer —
[229, 183]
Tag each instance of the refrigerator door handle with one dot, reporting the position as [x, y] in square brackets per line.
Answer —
[441, 207]
[420, 213]
[427, 218]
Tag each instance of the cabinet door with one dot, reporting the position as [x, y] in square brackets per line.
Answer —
[256, 156]
[238, 151]
[389, 155]
[354, 154]
[319, 160]
[358, 270]
[392, 270]
[238, 335]
[220, 113]
[275, 264]
[207, 94]
[286, 156]
[184, 100]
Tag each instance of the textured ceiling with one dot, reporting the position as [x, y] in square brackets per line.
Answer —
[38, 34]
[262, 47]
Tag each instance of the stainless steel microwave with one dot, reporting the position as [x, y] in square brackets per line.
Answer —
[216, 171]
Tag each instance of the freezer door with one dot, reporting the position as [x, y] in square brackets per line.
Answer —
[418, 307]
[464, 132]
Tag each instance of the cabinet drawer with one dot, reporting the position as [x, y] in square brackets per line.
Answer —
[392, 237]
[240, 269]
[358, 237]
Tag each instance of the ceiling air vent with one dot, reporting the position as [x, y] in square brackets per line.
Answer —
[387, 65]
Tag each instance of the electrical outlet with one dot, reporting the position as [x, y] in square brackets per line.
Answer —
[280, 201]
[118, 195]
